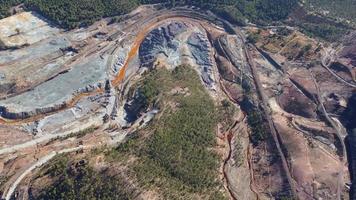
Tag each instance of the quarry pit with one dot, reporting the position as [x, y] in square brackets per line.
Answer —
[54, 83]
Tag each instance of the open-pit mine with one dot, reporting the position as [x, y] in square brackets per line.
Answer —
[108, 99]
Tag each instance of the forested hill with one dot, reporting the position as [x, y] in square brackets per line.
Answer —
[73, 13]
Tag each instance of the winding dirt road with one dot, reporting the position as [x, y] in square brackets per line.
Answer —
[39, 163]
[340, 135]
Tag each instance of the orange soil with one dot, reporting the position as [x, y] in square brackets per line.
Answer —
[140, 37]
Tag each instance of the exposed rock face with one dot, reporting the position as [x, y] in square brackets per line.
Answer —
[200, 49]
[13, 114]
[135, 106]
[227, 71]
[55, 93]
[162, 41]
[175, 42]
[4, 112]
[120, 60]
[23, 69]
[18, 30]
[234, 91]
[233, 50]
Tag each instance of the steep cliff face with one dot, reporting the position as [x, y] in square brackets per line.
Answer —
[200, 49]
[179, 43]
[56, 92]
[9, 111]
[162, 41]
[134, 106]
[8, 114]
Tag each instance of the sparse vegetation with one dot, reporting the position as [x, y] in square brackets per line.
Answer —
[226, 114]
[71, 14]
[79, 181]
[3, 180]
[149, 89]
[258, 126]
[283, 31]
[255, 117]
[81, 133]
[178, 152]
[304, 50]
[238, 154]
[253, 37]
[332, 8]
[259, 11]
[324, 31]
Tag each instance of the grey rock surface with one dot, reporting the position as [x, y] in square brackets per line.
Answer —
[162, 41]
[200, 49]
[55, 93]
[46, 47]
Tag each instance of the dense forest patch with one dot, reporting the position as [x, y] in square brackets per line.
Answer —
[71, 14]
[324, 31]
